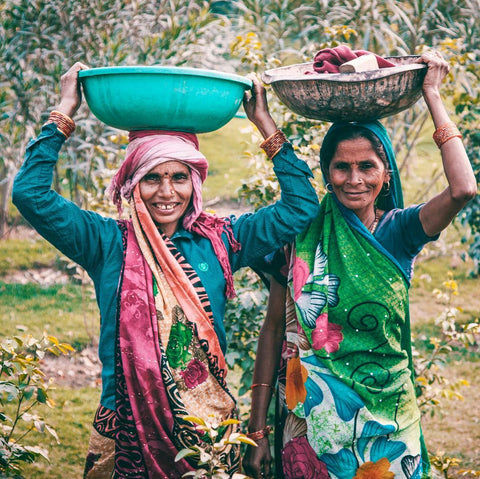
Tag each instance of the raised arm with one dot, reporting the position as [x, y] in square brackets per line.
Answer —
[438, 212]
[75, 232]
[257, 461]
[273, 226]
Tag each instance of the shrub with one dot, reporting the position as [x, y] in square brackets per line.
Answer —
[22, 389]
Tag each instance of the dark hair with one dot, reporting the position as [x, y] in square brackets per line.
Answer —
[349, 131]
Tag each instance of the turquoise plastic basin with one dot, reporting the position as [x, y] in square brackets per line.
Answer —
[168, 98]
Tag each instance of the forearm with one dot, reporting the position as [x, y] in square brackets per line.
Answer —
[271, 227]
[440, 211]
[265, 373]
[269, 351]
[75, 232]
[457, 167]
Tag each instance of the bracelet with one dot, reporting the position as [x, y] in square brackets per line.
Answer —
[64, 123]
[446, 132]
[262, 384]
[273, 144]
[255, 436]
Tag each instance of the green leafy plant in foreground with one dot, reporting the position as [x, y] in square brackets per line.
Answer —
[208, 453]
[22, 389]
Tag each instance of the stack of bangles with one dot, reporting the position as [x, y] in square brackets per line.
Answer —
[446, 132]
[64, 123]
[273, 144]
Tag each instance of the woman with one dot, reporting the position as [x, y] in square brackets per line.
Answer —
[161, 279]
[346, 391]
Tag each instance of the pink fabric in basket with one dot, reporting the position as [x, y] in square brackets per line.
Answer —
[329, 60]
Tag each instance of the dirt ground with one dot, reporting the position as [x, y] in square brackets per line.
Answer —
[81, 369]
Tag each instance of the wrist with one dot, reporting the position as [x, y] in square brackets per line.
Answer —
[273, 144]
[256, 425]
[67, 108]
[63, 122]
[260, 433]
[266, 126]
[445, 133]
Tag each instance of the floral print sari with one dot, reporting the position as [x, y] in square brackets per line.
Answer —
[169, 363]
[349, 402]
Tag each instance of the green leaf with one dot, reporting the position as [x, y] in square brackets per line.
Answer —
[37, 450]
[185, 453]
[9, 391]
[41, 395]
[52, 432]
[28, 393]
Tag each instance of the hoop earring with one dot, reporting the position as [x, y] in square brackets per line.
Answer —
[329, 187]
[386, 186]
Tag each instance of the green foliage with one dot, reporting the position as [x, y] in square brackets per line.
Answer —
[22, 389]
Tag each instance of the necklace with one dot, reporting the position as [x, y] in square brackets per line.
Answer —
[374, 223]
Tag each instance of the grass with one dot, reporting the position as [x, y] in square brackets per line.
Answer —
[68, 312]
[455, 428]
[228, 165]
[24, 254]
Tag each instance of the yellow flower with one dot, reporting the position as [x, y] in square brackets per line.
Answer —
[375, 470]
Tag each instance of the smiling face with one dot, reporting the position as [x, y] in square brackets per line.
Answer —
[166, 191]
[357, 175]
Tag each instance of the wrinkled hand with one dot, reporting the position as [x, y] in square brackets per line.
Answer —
[438, 68]
[71, 94]
[257, 460]
[256, 107]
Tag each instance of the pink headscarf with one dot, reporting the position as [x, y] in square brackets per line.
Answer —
[150, 148]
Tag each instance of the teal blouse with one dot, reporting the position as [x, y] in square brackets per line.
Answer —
[95, 242]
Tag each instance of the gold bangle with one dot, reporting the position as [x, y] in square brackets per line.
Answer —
[64, 123]
[255, 436]
[273, 144]
[446, 132]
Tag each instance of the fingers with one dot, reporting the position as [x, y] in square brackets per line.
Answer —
[72, 72]
[71, 95]
[434, 60]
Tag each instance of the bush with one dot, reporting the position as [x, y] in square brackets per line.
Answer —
[22, 389]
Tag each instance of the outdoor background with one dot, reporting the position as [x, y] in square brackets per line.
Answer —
[42, 293]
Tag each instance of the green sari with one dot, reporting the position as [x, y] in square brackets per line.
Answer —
[350, 402]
